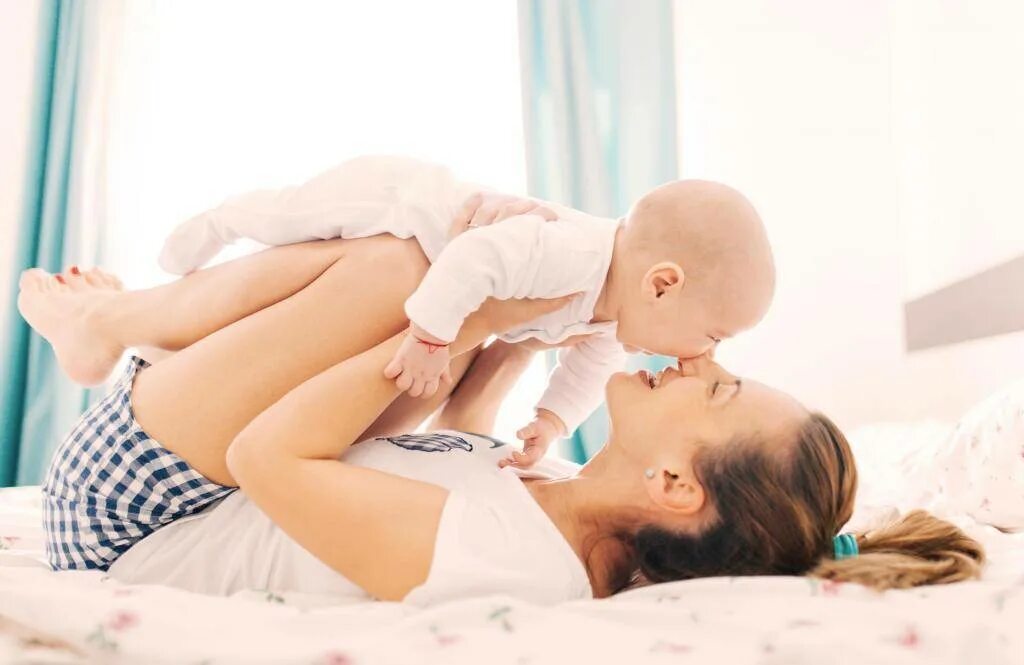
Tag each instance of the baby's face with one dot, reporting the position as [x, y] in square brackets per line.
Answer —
[687, 331]
[686, 324]
[704, 265]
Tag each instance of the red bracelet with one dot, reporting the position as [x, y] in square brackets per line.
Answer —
[431, 346]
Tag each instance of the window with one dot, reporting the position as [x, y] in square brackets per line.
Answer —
[219, 98]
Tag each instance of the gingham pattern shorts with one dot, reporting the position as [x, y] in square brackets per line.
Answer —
[110, 485]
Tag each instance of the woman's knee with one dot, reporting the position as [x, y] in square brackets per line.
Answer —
[398, 262]
[401, 259]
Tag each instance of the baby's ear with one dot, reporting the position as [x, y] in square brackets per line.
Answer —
[663, 278]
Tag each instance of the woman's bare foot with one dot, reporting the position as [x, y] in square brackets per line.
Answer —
[65, 310]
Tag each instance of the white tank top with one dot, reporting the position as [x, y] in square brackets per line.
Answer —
[493, 538]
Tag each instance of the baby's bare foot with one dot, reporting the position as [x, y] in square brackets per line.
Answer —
[63, 309]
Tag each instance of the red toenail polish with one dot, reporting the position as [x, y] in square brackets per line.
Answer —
[75, 271]
[60, 278]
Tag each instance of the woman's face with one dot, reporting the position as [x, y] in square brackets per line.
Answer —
[660, 416]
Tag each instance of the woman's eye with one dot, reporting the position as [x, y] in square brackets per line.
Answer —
[714, 388]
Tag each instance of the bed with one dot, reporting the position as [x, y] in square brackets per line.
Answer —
[76, 617]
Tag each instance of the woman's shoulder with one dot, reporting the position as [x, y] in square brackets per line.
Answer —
[500, 543]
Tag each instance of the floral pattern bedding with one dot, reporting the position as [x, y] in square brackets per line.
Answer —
[90, 617]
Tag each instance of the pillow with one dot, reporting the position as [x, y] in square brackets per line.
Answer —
[979, 468]
[895, 463]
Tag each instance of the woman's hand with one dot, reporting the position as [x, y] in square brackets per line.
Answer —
[485, 208]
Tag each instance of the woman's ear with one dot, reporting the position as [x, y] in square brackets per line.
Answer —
[662, 278]
[678, 491]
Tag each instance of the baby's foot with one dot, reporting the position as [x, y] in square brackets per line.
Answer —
[63, 309]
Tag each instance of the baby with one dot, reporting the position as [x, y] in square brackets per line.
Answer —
[689, 266]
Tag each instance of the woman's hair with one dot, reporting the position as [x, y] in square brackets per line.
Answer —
[776, 513]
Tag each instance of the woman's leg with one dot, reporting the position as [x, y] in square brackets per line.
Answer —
[197, 401]
[90, 321]
[95, 312]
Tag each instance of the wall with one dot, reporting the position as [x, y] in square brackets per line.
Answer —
[958, 127]
[18, 29]
[792, 103]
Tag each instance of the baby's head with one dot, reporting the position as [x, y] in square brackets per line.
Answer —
[695, 267]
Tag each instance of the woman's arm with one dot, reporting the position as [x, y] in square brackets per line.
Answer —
[376, 529]
[474, 404]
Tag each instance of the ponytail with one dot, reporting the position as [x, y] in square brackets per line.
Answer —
[915, 550]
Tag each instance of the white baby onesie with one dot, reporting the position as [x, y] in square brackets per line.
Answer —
[525, 257]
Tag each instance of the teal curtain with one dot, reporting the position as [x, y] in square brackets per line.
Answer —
[37, 403]
[599, 103]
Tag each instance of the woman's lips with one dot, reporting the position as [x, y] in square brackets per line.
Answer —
[650, 380]
[656, 380]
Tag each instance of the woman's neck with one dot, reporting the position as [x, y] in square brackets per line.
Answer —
[593, 523]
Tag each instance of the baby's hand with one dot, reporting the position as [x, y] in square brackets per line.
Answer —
[420, 364]
[536, 437]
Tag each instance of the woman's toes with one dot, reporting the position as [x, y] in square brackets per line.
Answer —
[32, 279]
[113, 281]
[75, 279]
[94, 278]
[58, 308]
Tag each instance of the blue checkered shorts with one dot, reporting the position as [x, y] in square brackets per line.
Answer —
[110, 485]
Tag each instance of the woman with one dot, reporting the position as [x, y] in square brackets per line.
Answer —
[281, 372]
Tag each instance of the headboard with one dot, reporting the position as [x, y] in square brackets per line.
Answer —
[982, 305]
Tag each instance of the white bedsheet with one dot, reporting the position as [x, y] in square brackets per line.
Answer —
[723, 621]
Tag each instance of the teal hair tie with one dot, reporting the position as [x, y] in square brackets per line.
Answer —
[845, 546]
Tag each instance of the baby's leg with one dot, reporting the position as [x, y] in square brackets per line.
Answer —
[90, 321]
